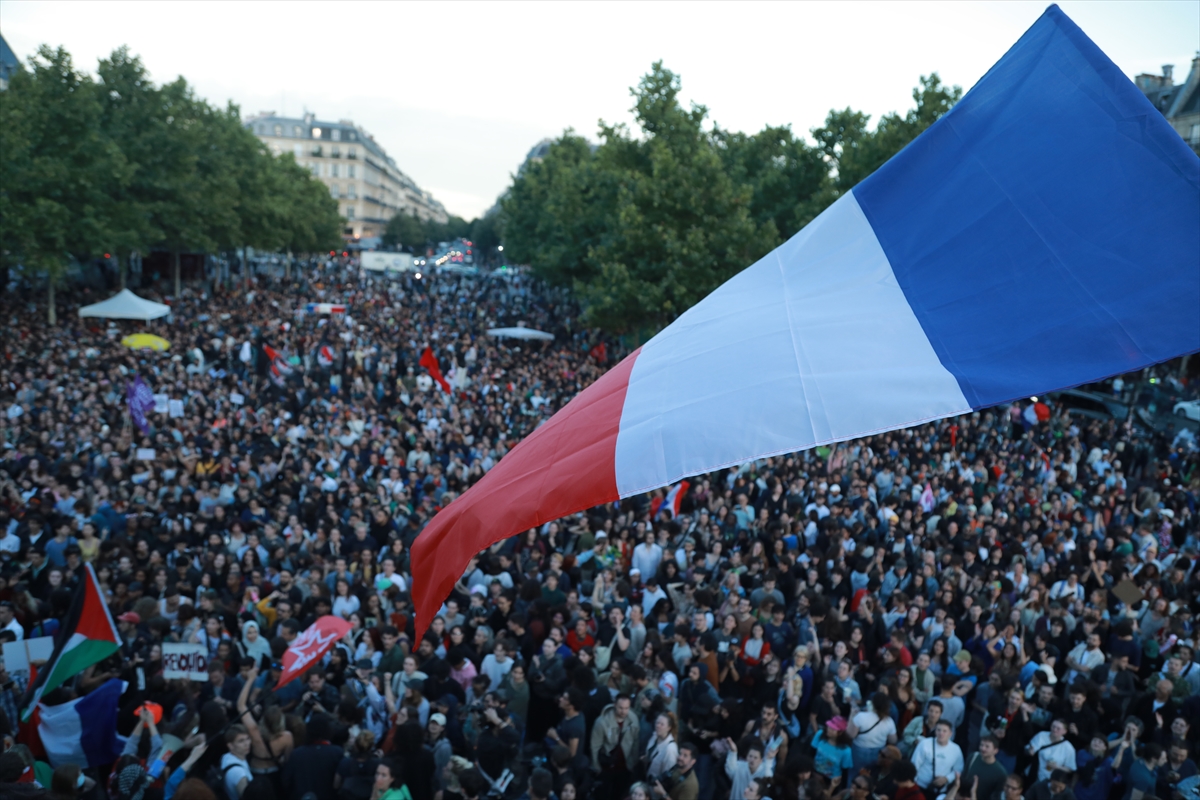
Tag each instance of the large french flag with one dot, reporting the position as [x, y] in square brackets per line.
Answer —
[1044, 233]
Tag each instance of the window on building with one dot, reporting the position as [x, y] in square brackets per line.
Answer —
[335, 190]
[316, 133]
[296, 131]
[1195, 137]
[335, 152]
[333, 170]
[336, 135]
[352, 152]
[349, 212]
[298, 150]
[316, 151]
[350, 171]
[352, 192]
[350, 135]
[316, 169]
[279, 130]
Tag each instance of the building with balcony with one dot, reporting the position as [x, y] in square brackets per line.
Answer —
[1178, 102]
[361, 176]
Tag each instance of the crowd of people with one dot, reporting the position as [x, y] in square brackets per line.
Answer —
[998, 606]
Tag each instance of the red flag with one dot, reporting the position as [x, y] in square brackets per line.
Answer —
[600, 353]
[431, 365]
[308, 647]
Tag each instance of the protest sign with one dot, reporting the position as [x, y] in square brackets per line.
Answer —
[185, 661]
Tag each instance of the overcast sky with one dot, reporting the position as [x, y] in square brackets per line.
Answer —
[459, 92]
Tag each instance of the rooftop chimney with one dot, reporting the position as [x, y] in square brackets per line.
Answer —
[1168, 73]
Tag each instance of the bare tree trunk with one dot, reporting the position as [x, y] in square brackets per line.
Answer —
[121, 271]
[287, 267]
[175, 254]
[51, 308]
[245, 271]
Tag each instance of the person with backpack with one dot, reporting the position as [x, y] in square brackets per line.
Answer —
[235, 768]
[356, 774]
[871, 729]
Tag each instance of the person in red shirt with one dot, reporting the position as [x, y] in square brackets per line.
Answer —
[579, 637]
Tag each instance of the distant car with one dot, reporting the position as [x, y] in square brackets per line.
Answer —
[1188, 409]
[1091, 405]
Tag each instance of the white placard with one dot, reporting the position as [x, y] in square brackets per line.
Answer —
[17, 655]
[236, 398]
[175, 409]
[146, 454]
[161, 402]
[182, 660]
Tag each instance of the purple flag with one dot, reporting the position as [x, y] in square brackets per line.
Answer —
[141, 400]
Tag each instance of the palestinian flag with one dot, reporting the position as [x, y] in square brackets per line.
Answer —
[87, 636]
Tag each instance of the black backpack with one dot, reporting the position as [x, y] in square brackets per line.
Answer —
[361, 781]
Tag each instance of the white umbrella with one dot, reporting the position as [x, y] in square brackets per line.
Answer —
[126, 305]
[521, 333]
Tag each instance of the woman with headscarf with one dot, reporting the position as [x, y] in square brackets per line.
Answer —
[253, 644]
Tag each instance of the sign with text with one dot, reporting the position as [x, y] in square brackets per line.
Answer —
[185, 661]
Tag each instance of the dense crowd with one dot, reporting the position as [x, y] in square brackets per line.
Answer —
[998, 606]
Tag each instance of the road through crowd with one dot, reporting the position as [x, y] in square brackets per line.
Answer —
[999, 606]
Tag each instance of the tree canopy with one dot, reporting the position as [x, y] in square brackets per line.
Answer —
[643, 227]
[115, 164]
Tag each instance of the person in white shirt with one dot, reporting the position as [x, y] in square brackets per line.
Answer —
[1084, 658]
[1069, 589]
[8, 620]
[1052, 750]
[937, 759]
[647, 556]
[872, 729]
[496, 665]
[650, 597]
[235, 769]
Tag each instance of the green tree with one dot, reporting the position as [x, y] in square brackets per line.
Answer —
[404, 229]
[641, 227]
[58, 172]
[855, 151]
[680, 225]
[486, 232]
[781, 171]
[555, 212]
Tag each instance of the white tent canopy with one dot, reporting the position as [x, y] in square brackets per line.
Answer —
[521, 333]
[126, 305]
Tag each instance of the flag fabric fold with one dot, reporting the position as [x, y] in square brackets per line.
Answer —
[140, 398]
[87, 636]
[1044, 233]
[307, 648]
[84, 731]
[430, 363]
[671, 500]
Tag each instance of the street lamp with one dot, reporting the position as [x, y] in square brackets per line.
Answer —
[500, 248]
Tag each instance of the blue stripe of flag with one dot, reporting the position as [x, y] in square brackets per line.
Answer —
[1046, 231]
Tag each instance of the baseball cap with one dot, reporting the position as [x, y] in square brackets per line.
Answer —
[837, 724]
[440, 719]
[364, 663]
[130, 616]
